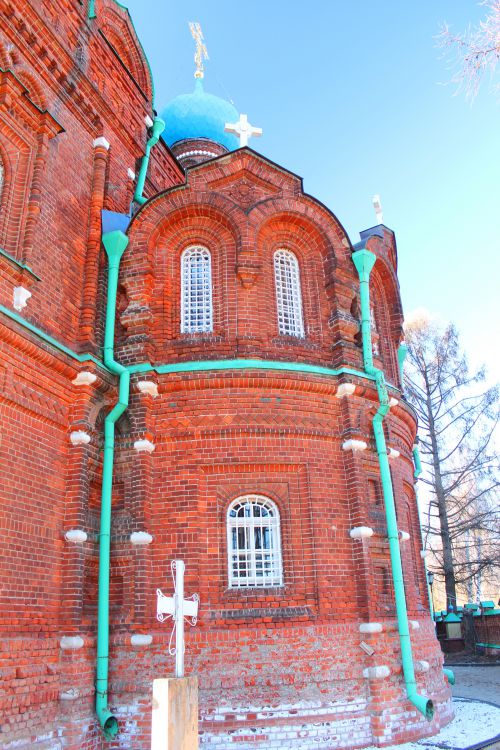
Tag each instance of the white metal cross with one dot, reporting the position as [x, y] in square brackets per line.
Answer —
[243, 130]
[177, 608]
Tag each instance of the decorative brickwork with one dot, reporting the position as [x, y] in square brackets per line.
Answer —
[279, 666]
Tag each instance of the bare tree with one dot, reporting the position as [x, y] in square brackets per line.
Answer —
[474, 52]
[457, 422]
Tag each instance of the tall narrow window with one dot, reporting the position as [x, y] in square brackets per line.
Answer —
[288, 294]
[253, 542]
[196, 290]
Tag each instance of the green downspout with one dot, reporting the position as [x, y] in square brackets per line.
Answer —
[417, 462]
[450, 675]
[402, 352]
[115, 244]
[92, 13]
[157, 130]
[364, 261]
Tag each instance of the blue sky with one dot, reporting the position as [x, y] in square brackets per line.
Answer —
[351, 97]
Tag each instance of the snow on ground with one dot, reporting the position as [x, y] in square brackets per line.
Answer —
[474, 722]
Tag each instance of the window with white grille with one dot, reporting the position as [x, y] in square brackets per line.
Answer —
[288, 294]
[196, 290]
[253, 542]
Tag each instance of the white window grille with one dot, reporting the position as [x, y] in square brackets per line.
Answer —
[254, 543]
[288, 294]
[196, 290]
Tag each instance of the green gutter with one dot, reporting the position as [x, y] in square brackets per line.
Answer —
[20, 265]
[50, 340]
[157, 130]
[115, 244]
[364, 261]
[244, 364]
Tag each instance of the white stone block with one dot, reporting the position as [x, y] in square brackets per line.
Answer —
[422, 666]
[404, 536]
[393, 402]
[393, 453]
[354, 445]
[76, 536]
[21, 297]
[148, 121]
[361, 532]
[101, 142]
[84, 378]
[141, 640]
[71, 642]
[72, 694]
[144, 446]
[414, 624]
[79, 437]
[345, 389]
[131, 173]
[376, 673]
[371, 627]
[140, 537]
[149, 387]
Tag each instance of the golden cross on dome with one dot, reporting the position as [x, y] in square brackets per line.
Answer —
[201, 51]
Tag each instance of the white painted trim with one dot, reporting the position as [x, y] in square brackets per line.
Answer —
[84, 378]
[196, 152]
[79, 437]
[354, 445]
[131, 174]
[148, 387]
[414, 624]
[361, 532]
[101, 142]
[376, 673]
[71, 642]
[404, 536]
[149, 122]
[20, 298]
[144, 446]
[371, 627]
[138, 538]
[141, 640]
[345, 389]
[76, 536]
[393, 402]
[393, 453]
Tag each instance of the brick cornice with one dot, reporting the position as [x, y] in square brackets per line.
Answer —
[56, 65]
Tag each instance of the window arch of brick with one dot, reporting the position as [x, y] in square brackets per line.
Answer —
[196, 290]
[288, 293]
[254, 543]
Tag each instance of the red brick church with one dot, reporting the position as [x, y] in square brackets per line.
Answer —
[196, 364]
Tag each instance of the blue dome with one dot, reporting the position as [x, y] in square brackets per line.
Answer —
[199, 115]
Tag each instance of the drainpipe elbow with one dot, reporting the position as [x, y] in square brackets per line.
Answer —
[450, 675]
[424, 704]
[108, 722]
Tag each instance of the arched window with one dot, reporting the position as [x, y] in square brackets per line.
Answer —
[288, 294]
[196, 290]
[253, 542]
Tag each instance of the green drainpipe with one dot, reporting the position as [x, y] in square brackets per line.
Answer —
[115, 244]
[92, 13]
[158, 128]
[450, 675]
[417, 462]
[402, 352]
[364, 261]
